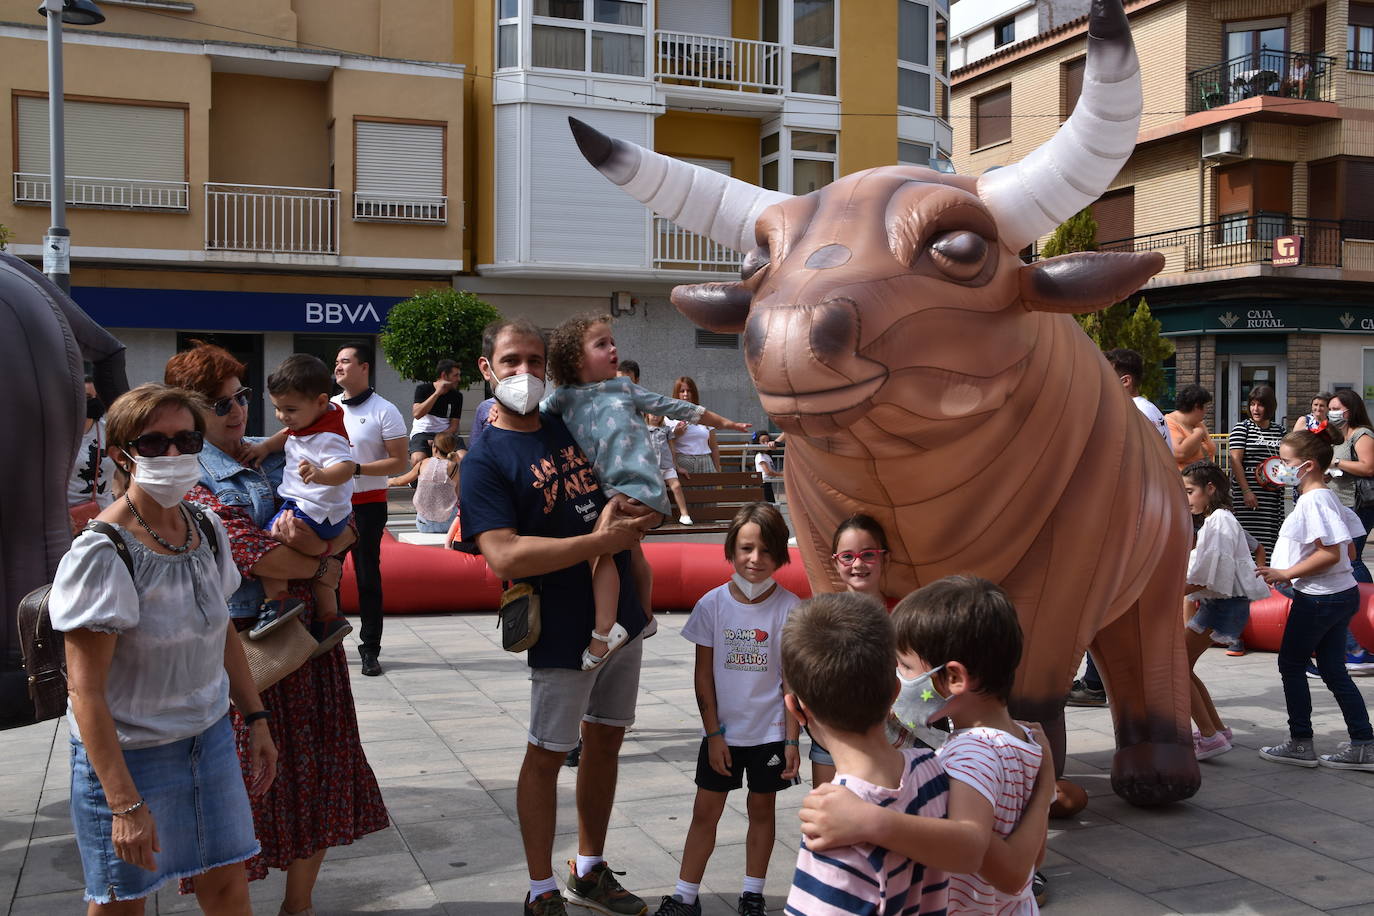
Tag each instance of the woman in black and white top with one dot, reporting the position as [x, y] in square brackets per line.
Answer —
[1256, 438]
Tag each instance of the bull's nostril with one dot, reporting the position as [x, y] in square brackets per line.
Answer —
[834, 329]
[829, 256]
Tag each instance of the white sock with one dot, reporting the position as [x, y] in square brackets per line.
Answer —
[686, 891]
[587, 863]
[542, 886]
[753, 885]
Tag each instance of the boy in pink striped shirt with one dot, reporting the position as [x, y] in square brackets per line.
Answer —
[958, 646]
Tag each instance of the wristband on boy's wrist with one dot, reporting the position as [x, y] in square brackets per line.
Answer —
[719, 731]
[792, 742]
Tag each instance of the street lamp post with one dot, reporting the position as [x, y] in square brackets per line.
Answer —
[57, 243]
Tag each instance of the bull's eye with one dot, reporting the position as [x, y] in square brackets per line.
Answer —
[960, 254]
[754, 261]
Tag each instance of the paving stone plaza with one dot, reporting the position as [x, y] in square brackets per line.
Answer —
[444, 729]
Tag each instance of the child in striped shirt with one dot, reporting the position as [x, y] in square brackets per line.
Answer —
[837, 656]
[958, 646]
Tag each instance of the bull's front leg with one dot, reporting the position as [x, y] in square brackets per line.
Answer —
[1143, 664]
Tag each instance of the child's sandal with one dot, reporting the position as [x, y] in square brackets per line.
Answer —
[612, 640]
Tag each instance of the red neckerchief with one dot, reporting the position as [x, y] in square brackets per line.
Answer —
[331, 421]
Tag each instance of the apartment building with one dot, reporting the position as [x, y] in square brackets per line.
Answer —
[982, 27]
[1250, 176]
[789, 94]
[271, 175]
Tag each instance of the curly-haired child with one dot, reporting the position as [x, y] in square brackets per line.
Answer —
[602, 411]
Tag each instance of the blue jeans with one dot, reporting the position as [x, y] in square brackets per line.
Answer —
[1316, 626]
[1357, 567]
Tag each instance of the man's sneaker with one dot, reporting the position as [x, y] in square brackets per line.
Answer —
[1205, 748]
[1040, 888]
[574, 756]
[549, 903]
[1359, 664]
[1292, 752]
[1236, 649]
[1080, 694]
[599, 890]
[329, 633]
[751, 904]
[1350, 757]
[671, 906]
[272, 614]
[1312, 671]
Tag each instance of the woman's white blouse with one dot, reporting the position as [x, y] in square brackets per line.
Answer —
[694, 439]
[166, 680]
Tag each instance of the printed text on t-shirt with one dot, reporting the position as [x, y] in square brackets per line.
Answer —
[746, 649]
[570, 478]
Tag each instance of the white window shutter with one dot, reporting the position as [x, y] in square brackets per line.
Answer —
[400, 169]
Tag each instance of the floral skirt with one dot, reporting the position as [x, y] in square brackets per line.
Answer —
[324, 794]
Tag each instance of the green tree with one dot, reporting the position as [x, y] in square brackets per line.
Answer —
[1121, 324]
[436, 324]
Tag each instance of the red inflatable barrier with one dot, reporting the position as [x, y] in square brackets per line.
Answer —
[419, 579]
[1269, 615]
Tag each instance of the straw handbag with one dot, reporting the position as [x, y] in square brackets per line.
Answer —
[278, 653]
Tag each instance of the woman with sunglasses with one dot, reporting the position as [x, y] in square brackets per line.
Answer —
[152, 664]
[325, 794]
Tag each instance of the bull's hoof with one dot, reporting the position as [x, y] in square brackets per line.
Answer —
[1069, 799]
[1152, 774]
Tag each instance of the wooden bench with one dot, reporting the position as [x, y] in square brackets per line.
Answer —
[713, 500]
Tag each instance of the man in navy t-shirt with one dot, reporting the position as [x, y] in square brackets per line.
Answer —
[532, 502]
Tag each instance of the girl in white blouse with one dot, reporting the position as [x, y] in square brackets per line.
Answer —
[1222, 581]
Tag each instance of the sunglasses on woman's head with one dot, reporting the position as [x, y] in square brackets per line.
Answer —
[224, 405]
[155, 445]
[848, 557]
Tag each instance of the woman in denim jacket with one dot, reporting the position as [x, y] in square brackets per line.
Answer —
[325, 793]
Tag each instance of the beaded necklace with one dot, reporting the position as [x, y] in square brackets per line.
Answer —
[190, 534]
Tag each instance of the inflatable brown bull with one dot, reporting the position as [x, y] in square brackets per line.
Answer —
[928, 377]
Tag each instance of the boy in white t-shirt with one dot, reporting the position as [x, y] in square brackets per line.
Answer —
[316, 486]
[746, 727]
[958, 647]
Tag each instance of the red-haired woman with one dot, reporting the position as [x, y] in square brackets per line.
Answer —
[325, 794]
[694, 446]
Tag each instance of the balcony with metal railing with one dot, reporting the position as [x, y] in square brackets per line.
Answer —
[718, 62]
[676, 248]
[270, 219]
[1284, 74]
[390, 208]
[1359, 60]
[35, 188]
[1248, 239]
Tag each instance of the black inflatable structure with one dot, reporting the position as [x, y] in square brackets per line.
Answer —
[45, 340]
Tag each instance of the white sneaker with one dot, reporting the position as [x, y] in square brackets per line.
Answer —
[684, 520]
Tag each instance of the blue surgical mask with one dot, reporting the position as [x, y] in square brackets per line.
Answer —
[919, 706]
[1287, 475]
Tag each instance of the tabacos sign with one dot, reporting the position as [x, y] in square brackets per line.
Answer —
[348, 314]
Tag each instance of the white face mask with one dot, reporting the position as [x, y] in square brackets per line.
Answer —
[168, 478]
[520, 393]
[1289, 476]
[751, 590]
[919, 705]
[1337, 417]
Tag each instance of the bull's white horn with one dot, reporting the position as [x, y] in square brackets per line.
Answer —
[1077, 164]
[699, 200]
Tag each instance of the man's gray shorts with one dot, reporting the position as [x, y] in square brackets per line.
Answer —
[562, 698]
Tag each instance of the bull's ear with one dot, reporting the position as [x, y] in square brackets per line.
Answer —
[720, 307]
[1086, 281]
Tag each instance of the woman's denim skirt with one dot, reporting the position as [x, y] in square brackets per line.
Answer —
[195, 791]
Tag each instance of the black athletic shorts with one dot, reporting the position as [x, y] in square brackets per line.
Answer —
[763, 762]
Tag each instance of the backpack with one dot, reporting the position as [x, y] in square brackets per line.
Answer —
[43, 650]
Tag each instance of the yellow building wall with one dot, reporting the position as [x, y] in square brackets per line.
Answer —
[474, 25]
[711, 136]
[868, 84]
[111, 73]
[271, 22]
[389, 95]
[745, 20]
[269, 131]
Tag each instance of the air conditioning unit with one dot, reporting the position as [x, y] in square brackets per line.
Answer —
[1222, 142]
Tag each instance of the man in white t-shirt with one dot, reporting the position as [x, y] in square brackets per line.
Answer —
[378, 435]
[763, 463]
